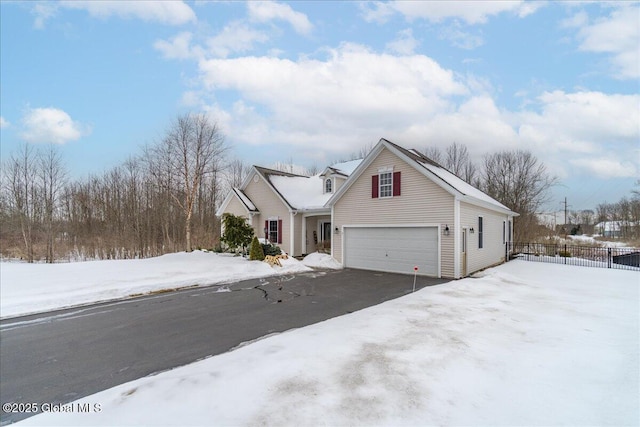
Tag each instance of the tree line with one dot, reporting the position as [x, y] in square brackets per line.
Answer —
[162, 200]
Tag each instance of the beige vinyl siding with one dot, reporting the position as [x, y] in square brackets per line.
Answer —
[421, 202]
[338, 181]
[493, 250]
[270, 206]
[236, 207]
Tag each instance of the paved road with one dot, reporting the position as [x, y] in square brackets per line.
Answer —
[61, 356]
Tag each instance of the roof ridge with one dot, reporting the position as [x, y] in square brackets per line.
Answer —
[268, 171]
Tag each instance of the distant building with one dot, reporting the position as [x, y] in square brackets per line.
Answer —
[609, 228]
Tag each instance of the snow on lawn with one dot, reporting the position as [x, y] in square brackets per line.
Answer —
[318, 260]
[30, 288]
[521, 344]
[583, 239]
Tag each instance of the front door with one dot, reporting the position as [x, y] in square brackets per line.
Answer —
[325, 236]
[326, 231]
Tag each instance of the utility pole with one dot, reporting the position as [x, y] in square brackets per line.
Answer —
[565, 217]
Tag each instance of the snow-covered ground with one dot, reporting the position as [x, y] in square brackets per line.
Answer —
[584, 239]
[521, 344]
[30, 288]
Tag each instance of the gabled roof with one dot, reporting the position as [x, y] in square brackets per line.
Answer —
[243, 198]
[344, 168]
[246, 201]
[297, 192]
[434, 171]
[305, 192]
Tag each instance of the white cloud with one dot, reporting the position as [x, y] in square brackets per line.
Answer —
[460, 38]
[470, 12]
[355, 96]
[265, 11]
[582, 129]
[191, 99]
[4, 123]
[235, 37]
[460, 13]
[164, 12]
[404, 44]
[179, 47]
[354, 92]
[618, 35]
[608, 167]
[43, 11]
[376, 11]
[591, 117]
[51, 125]
[578, 20]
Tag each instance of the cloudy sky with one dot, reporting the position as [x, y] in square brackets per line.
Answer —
[313, 82]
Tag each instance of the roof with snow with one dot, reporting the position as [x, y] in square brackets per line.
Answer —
[305, 192]
[344, 168]
[245, 200]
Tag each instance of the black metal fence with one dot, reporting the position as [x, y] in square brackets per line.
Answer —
[585, 256]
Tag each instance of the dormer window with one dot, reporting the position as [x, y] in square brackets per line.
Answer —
[327, 185]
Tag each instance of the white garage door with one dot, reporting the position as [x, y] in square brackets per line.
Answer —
[393, 249]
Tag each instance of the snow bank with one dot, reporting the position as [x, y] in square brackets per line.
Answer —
[30, 288]
[318, 260]
[520, 344]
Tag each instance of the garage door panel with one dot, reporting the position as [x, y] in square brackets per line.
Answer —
[393, 249]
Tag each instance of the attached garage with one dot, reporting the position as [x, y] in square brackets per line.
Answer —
[394, 249]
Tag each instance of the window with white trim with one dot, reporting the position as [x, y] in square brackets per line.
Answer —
[273, 231]
[385, 182]
[327, 185]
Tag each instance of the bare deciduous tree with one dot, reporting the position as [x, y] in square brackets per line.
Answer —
[434, 153]
[236, 171]
[519, 181]
[20, 175]
[52, 176]
[458, 162]
[194, 148]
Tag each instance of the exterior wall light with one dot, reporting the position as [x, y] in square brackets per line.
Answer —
[446, 230]
[336, 230]
[471, 230]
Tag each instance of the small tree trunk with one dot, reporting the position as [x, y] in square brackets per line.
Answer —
[188, 232]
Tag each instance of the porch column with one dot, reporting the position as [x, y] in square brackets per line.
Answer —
[292, 234]
[303, 242]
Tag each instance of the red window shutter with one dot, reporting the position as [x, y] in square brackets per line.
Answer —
[374, 186]
[266, 227]
[396, 183]
[279, 231]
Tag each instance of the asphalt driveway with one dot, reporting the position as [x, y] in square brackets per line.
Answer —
[64, 355]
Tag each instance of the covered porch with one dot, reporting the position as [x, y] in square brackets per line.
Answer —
[316, 232]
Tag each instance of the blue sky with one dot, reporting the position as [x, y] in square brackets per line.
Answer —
[312, 82]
